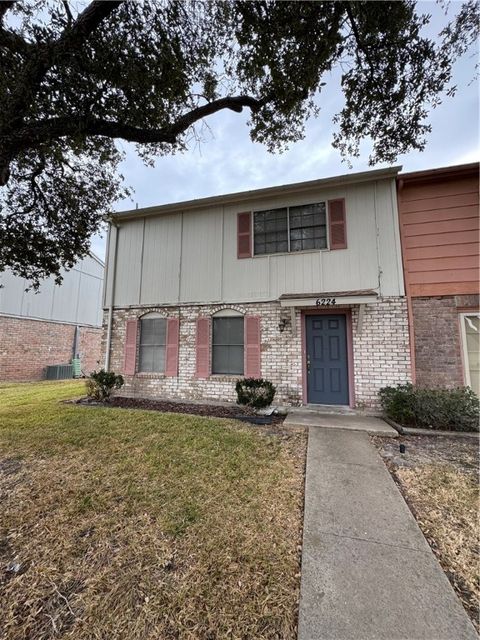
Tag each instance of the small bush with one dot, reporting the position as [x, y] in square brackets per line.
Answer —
[448, 409]
[101, 384]
[255, 392]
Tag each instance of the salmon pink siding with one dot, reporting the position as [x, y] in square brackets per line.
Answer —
[439, 223]
[439, 218]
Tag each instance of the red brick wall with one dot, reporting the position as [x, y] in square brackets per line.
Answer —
[28, 346]
[438, 355]
[89, 349]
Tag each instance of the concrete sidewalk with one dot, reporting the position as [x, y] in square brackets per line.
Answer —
[367, 571]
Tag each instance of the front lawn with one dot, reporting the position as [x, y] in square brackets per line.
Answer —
[129, 524]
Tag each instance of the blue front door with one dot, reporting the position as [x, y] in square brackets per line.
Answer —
[327, 364]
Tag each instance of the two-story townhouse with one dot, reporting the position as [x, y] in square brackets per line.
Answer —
[301, 284]
[439, 218]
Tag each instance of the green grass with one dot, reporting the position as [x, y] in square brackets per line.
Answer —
[137, 524]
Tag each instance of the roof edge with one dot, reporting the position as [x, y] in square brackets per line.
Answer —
[242, 196]
[427, 175]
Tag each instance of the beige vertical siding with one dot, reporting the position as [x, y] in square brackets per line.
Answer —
[201, 266]
[161, 259]
[129, 263]
[191, 256]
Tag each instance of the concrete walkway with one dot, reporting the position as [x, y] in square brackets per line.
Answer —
[351, 420]
[367, 571]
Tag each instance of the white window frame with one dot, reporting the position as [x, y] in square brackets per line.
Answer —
[463, 333]
[288, 252]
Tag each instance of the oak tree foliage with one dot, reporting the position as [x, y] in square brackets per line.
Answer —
[77, 77]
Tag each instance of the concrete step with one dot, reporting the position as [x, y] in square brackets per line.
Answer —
[348, 421]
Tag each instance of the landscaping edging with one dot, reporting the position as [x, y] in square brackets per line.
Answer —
[413, 431]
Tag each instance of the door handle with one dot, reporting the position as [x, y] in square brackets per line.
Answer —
[308, 363]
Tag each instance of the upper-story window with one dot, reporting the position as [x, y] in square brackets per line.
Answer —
[290, 229]
[153, 333]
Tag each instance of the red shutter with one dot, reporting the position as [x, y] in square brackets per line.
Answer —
[203, 347]
[171, 349]
[244, 235]
[252, 347]
[130, 361]
[338, 225]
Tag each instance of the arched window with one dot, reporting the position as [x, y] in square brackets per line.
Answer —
[228, 343]
[153, 332]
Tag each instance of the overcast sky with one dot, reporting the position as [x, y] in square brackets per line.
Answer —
[228, 161]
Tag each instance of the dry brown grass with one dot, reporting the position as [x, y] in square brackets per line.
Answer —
[446, 504]
[130, 524]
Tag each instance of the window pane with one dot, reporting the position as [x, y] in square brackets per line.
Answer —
[219, 359]
[153, 331]
[227, 360]
[236, 331]
[228, 331]
[308, 228]
[321, 243]
[146, 359]
[270, 231]
[235, 360]
[220, 331]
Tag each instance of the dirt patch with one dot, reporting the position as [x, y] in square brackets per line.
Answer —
[461, 453]
[438, 478]
[10, 466]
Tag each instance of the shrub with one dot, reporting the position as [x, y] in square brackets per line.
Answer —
[255, 392]
[101, 384]
[448, 409]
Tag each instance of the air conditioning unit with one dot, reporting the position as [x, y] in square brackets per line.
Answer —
[59, 372]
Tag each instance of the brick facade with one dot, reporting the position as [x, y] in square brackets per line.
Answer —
[438, 351]
[380, 351]
[28, 346]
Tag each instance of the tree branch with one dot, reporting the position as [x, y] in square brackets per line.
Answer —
[33, 134]
[14, 42]
[358, 40]
[44, 55]
[86, 22]
[68, 12]
[41, 59]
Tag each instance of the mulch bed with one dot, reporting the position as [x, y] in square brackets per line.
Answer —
[212, 411]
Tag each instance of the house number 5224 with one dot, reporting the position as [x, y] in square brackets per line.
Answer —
[325, 302]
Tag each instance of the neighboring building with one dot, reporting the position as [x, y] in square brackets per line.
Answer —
[300, 284]
[52, 326]
[439, 219]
